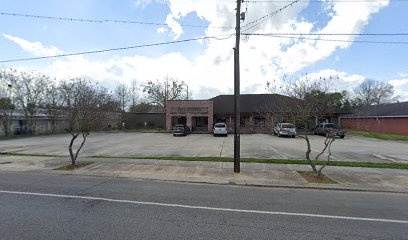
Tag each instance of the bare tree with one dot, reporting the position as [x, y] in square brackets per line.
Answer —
[372, 92]
[29, 92]
[134, 92]
[6, 113]
[6, 104]
[53, 102]
[123, 95]
[308, 100]
[160, 92]
[82, 102]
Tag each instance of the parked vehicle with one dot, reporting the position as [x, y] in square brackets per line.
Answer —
[181, 130]
[285, 129]
[329, 129]
[220, 129]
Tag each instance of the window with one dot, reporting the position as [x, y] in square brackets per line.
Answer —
[259, 122]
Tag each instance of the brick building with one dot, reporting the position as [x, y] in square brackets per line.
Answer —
[259, 113]
[383, 118]
[197, 114]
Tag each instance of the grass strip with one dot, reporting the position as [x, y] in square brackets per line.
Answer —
[381, 136]
[11, 137]
[269, 161]
[30, 154]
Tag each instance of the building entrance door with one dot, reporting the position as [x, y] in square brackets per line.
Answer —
[200, 124]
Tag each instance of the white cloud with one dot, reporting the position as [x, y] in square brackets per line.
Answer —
[337, 80]
[345, 19]
[175, 27]
[36, 48]
[400, 88]
[162, 30]
[262, 58]
[266, 58]
[403, 74]
[142, 3]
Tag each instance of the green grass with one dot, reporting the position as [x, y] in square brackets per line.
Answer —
[226, 159]
[30, 154]
[381, 136]
[272, 161]
[28, 136]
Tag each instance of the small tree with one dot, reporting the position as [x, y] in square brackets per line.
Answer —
[160, 92]
[29, 89]
[53, 102]
[6, 113]
[308, 100]
[134, 92]
[82, 102]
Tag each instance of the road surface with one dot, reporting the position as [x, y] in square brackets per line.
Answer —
[45, 206]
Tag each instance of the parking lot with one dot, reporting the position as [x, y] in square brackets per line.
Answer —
[351, 148]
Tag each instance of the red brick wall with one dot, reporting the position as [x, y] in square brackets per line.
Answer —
[377, 125]
[190, 103]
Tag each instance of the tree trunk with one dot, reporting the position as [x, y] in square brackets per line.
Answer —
[71, 153]
[319, 172]
[84, 135]
[309, 150]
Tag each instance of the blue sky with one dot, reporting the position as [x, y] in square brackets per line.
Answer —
[207, 65]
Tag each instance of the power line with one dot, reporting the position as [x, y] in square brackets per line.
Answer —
[260, 20]
[322, 1]
[116, 49]
[101, 20]
[335, 40]
[326, 34]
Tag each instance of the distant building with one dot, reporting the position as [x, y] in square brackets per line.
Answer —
[47, 124]
[259, 113]
[383, 118]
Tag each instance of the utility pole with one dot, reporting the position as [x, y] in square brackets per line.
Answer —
[237, 144]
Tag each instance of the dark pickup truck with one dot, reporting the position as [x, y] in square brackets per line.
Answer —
[329, 129]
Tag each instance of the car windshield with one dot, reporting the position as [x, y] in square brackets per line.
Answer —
[288, 125]
[220, 125]
[330, 125]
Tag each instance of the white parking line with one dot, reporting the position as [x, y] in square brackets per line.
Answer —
[207, 208]
[283, 156]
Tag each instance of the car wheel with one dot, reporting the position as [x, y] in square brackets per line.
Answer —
[342, 136]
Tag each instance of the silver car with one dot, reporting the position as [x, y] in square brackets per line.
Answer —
[285, 129]
[220, 129]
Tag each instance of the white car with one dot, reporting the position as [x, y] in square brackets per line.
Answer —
[220, 129]
[285, 129]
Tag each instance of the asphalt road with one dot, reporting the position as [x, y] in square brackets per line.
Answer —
[37, 206]
[351, 148]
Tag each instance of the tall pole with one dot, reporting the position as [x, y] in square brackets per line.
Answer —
[237, 167]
